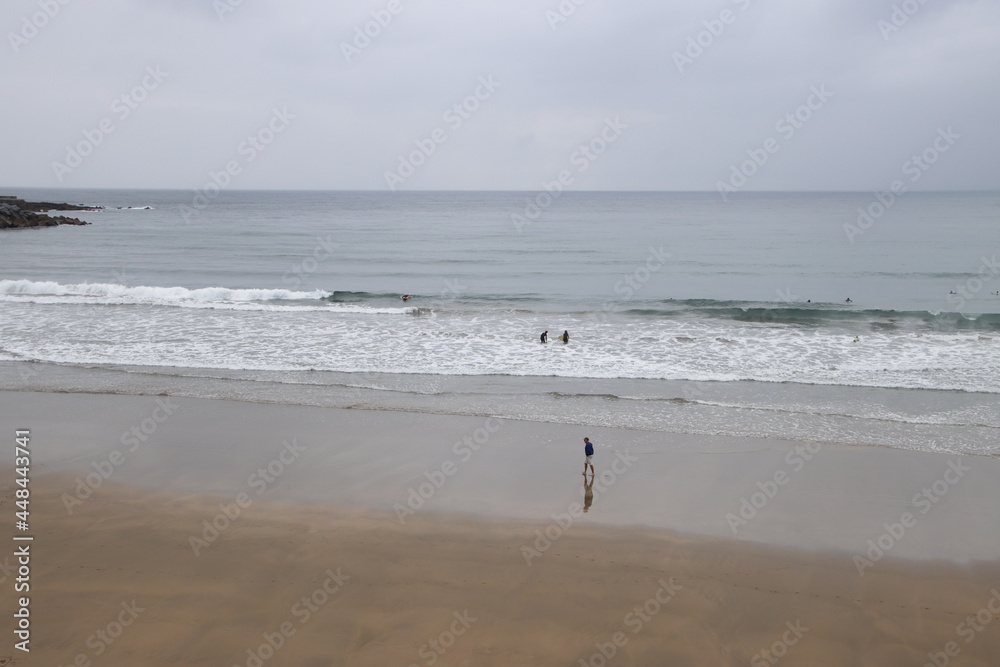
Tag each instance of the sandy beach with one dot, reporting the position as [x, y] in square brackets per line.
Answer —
[307, 310]
[173, 531]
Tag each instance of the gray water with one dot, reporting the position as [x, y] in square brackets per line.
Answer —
[685, 313]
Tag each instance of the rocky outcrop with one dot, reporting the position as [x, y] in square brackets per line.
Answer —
[18, 214]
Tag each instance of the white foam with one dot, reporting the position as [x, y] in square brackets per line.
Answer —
[223, 298]
[146, 293]
[292, 330]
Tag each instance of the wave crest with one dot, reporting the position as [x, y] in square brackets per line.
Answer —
[49, 292]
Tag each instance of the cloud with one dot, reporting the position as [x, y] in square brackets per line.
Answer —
[354, 118]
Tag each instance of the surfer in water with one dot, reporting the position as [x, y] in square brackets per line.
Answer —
[405, 297]
[545, 336]
[565, 337]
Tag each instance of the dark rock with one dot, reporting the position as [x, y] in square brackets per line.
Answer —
[19, 214]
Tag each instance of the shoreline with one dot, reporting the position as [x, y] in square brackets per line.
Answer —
[928, 420]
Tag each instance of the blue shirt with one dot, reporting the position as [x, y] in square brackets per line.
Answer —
[589, 449]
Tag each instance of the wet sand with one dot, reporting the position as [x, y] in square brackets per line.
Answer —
[319, 562]
[356, 588]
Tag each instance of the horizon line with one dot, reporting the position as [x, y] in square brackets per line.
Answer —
[4, 189]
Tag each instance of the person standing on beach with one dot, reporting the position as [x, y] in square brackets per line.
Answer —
[588, 450]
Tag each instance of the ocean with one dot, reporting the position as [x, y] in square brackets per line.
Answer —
[686, 313]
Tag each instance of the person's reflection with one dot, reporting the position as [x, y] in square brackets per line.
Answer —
[588, 492]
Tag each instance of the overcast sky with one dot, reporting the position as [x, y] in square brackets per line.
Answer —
[668, 95]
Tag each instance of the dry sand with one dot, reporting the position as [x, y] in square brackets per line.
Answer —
[381, 592]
